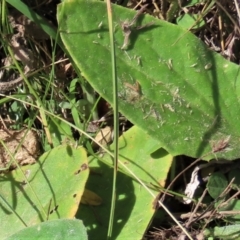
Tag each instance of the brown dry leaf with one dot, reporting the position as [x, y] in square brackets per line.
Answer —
[27, 27]
[104, 136]
[91, 198]
[27, 152]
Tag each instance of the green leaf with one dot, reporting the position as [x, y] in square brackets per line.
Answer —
[60, 229]
[192, 3]
[217, 183]
[234, 206]
[226, 232]
[170, 84]
[60, 132]
[58, 179]
[134, 205]
[188, 21]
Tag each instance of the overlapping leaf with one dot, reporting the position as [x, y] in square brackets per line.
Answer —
[58, 179]
[170, 85]
[134, 205]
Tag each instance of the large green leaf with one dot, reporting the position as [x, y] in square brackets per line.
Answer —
[60, 229]
[58, 179]
[134, 205]
[188, 97]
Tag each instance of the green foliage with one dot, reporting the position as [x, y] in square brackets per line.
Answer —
[189, 21]
[170, 84]
[58, 179]
[180, 96]
[226, 232]
[217, 183]
[225, 207]
[134, 205]
[60, 229]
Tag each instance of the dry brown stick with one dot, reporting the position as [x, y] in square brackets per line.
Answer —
[214, 212]
[190, 220]
[127, 26]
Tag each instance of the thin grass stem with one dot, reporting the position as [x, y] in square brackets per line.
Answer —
[115, 119]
